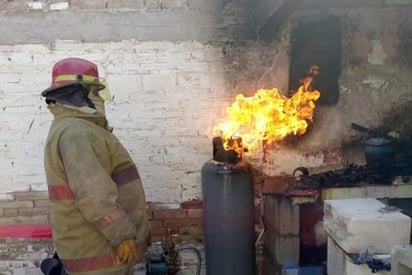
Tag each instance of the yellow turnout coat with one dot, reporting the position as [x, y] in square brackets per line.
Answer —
[96, 195]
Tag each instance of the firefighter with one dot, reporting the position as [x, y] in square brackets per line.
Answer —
[97, 202]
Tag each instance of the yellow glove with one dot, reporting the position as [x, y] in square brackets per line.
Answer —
[126, 251]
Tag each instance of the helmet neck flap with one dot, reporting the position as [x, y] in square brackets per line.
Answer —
[75, 94]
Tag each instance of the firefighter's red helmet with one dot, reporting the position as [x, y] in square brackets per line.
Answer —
[74, 70]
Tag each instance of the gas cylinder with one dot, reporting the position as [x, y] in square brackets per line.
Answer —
[228, 217]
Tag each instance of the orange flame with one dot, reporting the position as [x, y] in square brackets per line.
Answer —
[268, 116]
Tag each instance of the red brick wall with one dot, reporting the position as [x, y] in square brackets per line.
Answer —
[24, 207]
[32, 207]
[184, 220]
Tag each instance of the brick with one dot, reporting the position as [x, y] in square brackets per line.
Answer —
[150, 205]
[160, 205]
[25, 219]
[152, 4]
[182, 222]
[41, 203]
[156, 223]
[210, 4]
[149, 213]
[169, 214]
[36, 211]
[172, 230]
[191, 230]
[283, 249]
[157, 238]
[26, 196]
[192, 204]
[159, 81]
[11, 212]
[88, 5]
[13, 6]
[35, 5]
[281, 216]
[158, 231]
[348, 223]
[194, 213]
[59, 6]
[173, 4]
[16, 204]
[125, 4]
[7, 197]
[190, 238]
[276, 185]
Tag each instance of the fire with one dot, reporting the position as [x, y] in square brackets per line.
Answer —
[268, 116]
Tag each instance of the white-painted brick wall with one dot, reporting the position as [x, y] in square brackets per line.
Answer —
[164, 97]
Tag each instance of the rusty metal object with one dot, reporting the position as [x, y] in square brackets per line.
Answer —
[229, 152]
[172, 254]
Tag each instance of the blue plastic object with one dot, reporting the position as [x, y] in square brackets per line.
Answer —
[159, 268]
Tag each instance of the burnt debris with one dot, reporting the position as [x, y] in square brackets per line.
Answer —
[383, 172]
